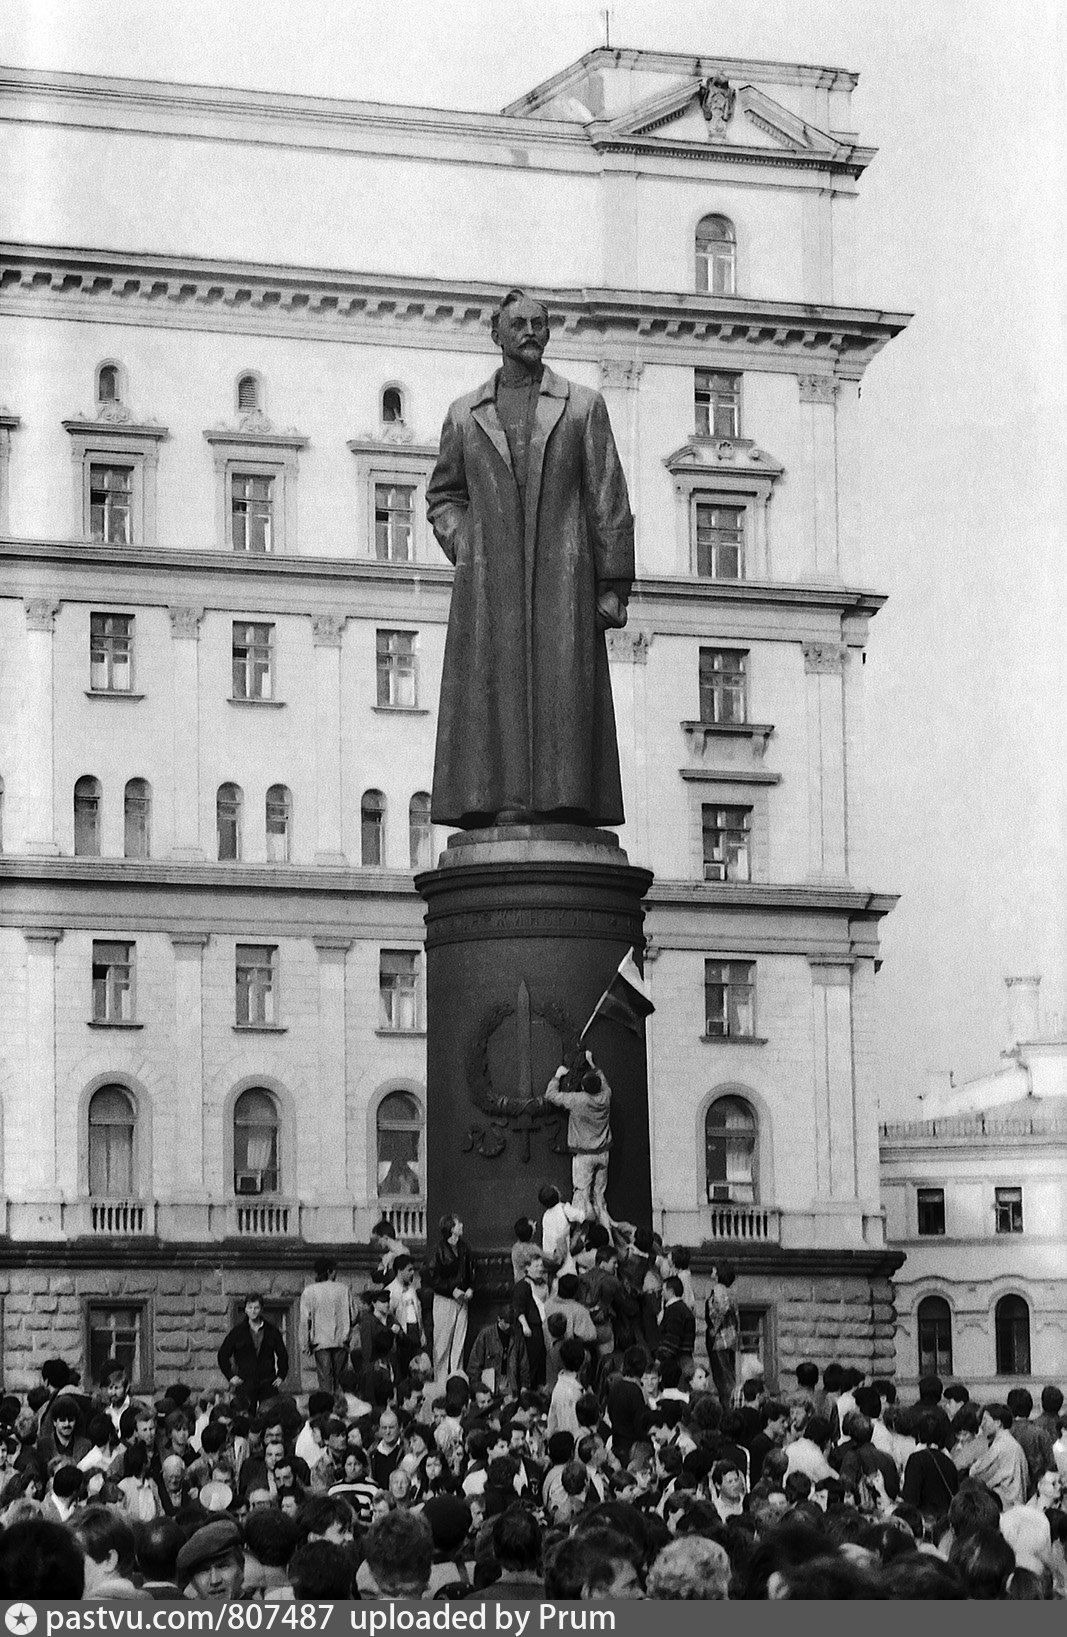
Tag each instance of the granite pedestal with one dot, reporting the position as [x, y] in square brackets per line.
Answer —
[525, 927]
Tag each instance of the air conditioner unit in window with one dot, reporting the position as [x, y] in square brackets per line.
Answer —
[248, 1182]
[714, 870]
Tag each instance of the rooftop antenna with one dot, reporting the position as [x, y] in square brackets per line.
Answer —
[606, 15]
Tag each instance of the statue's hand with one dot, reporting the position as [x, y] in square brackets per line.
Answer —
[610, 611]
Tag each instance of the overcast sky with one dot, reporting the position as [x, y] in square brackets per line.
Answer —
[962, 221]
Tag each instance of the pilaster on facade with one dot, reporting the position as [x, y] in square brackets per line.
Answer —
[834, 1100]
[327, 635]
[30, 1126]
[824, 665]
[185, 622]
[8, 423]
[183, 1143]
[36, 728]
[620, 379]
[329, 1168]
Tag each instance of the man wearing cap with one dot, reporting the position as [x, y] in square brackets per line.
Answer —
[327, 1319]
[211, 1564]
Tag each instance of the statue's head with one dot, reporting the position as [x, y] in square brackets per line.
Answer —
[520, 328]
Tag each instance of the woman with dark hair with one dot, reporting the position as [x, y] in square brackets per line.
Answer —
[451, 1278]
[721, 1331]
[986, 1562]
[930, 1477]
[967, 1441]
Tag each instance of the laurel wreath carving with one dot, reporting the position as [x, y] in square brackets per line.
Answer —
[490, 1139]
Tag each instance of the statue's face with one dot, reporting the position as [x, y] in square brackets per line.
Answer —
[521, 332]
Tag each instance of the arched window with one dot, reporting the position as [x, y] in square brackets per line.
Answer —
[1013, 1336]
[421, 831]
[392, 404]
[730, 1132]
[399, 1146]
[256, 1162]
[137, 818]
[87, 799]
[112, 1119]
[934, 1318]
[228, 805]
[108, 384]
[279, 823]
[372, 827]
[248, 393]
[716, 247]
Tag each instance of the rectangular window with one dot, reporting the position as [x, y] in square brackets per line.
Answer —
[398, 989]
[718, 403]
[257, 989]
[394, 522]
[111, 653]
[726, 835]
[930, 1203]
[397, 674]
[723, 685]
[253, 657]
[1009, 1210]
[116, 1333]
[752, 1336]
[729, 998]
[720, 540]
[111, 504]
[252, 512]
[112, 982]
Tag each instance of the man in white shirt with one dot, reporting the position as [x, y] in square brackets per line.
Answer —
[327, 1319]
[405, 1311]
[807, 1453]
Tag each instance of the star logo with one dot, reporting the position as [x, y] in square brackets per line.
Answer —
[20, 1619]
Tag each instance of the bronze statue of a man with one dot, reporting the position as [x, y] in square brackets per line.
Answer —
[529, 501]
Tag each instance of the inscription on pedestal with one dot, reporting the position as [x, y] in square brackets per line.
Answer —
[533, 921]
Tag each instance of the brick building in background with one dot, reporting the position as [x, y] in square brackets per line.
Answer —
[231, 323]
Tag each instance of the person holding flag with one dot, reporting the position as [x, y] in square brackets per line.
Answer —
[586, 1095]
[584, 1092]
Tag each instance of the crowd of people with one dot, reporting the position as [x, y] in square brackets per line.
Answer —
[578, 1446]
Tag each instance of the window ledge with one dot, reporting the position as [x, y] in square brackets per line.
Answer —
[105, 1023]
[260, 1028]
[409, 1034]
[270, 704]
[402, 710]
[698, 733]
[111, 693]
[737, 1039]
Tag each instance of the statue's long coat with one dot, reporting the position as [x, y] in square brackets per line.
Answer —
[526, 717]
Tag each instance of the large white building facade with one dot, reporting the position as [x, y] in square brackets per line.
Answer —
[976, 1195]
[230, 325]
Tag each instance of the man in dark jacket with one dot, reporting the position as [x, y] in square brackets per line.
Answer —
[677, 1326]
[253, 1357]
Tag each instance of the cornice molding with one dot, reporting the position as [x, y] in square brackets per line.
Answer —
[751, 895]
[263, 571]
[786, 337]
[142, 874]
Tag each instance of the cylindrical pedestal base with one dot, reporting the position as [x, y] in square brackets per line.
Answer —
[525, 927]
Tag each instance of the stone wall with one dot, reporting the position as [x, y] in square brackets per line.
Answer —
[187, 1311]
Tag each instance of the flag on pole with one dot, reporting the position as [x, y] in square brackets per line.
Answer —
[626, 999]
